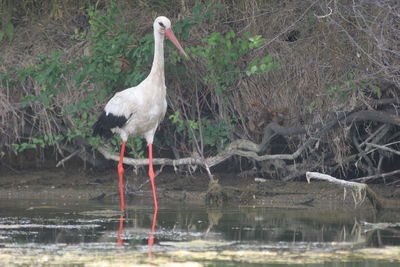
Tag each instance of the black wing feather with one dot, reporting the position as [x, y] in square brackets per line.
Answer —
[106, 122]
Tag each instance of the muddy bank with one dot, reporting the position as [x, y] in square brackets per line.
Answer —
[235, 190]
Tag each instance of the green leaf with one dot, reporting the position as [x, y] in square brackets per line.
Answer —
[252, 70]
[9, 31]
[376, 90]
[267, 59]
[230, 35]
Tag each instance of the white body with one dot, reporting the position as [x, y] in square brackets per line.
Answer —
[144, 105]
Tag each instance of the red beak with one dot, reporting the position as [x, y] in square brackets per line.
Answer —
[171, 36]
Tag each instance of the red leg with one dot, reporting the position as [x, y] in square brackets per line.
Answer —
[151, 174]
[120, 242]
[121, 176]
[150, 242]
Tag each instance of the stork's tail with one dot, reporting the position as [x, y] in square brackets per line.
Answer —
[106, 122]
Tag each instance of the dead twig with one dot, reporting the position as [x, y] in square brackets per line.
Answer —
[384, 148]
[324, 16]
[70, 156]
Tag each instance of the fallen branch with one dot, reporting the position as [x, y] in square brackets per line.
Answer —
[359, 191]
[236, 148]
[156, 161]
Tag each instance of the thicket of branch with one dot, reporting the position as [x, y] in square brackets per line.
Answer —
[332, 103]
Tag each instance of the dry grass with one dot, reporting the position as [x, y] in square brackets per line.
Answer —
[314, 53]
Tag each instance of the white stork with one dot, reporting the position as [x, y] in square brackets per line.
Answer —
[137, 111]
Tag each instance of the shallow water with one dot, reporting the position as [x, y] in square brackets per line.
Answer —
[91, 233]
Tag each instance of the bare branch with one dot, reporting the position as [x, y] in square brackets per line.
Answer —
[359, 191]
[61, 162]
[384, 148]
[379, 175]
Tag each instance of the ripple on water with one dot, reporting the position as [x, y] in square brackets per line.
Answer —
[80, 235]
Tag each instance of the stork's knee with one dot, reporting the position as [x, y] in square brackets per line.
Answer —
[151, 173]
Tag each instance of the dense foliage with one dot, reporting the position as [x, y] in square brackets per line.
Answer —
[251, 64]
[118, 59]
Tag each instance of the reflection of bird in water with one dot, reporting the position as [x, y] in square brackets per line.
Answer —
[120, 241]
[137, 111]
[150, 241]
[214, 215]
[152, 233]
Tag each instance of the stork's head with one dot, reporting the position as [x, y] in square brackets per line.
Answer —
[162, 25]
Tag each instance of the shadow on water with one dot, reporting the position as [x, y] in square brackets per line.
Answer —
[39, 231]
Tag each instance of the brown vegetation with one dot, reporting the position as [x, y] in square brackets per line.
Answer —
[330, 106]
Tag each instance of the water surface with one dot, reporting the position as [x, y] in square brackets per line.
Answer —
[93, 233]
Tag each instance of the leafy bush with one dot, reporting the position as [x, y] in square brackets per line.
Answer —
[74, 89]
[224, 53]
[350, 85]
[224, 59]
[95, 77]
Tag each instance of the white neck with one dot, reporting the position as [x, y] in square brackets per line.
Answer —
[158, 62]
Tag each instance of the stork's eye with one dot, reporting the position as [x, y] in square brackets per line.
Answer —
[161, 24]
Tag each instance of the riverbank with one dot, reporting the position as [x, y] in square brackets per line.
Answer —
[71, 184]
